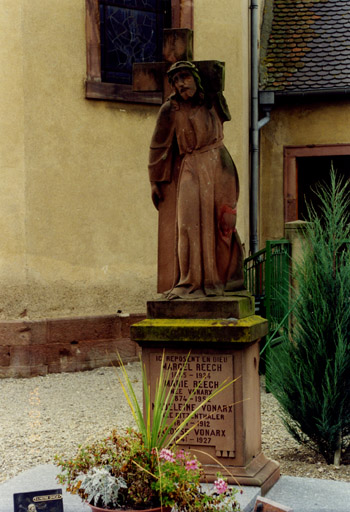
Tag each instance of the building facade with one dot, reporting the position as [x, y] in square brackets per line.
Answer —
[78, 229]
[305, 83]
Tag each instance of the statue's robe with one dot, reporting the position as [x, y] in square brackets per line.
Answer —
[199, 182]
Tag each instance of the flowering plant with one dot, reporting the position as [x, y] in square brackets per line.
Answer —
[136, 479]
[146, 469]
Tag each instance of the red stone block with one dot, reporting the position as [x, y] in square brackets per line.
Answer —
[106, 350]
[61, 359]
[14, 333]
[30, 348]
[19, 356]
[83, 328]
[125, 326]
[266, 505]
[128, 350]
[38, 331]
[40, 369]
[177, 44]
[4, 356]
[117, 327]
[136, 318]
[30, 355]
[15, 372]
[54, 367]
[87, 355]
[127, 321]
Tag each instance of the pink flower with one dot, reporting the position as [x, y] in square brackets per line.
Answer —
[167, 455]
[181, 455]
[192, 465]
[221, 485]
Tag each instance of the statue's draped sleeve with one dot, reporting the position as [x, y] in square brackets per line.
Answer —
[161, 158]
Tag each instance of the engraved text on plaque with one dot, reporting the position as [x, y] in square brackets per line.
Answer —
[214, 421]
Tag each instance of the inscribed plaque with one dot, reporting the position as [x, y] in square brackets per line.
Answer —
[214, 421]
[36, 501]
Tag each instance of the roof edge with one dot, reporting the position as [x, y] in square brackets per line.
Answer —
[309, 93]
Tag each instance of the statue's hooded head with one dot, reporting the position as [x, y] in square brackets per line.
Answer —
[184, 65]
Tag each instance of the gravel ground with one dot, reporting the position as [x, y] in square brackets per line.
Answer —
[43, 416]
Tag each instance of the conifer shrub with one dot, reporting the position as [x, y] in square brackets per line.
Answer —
[309, 374]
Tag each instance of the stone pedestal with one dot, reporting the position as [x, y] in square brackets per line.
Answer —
[222, 336]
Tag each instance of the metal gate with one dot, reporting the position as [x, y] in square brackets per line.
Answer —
[266, 276]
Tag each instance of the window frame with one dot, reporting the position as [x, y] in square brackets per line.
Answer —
[290, 171]
[181, 17]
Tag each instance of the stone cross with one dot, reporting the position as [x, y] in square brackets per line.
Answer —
[177, 45]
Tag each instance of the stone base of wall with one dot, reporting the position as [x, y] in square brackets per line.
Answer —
[30, 348]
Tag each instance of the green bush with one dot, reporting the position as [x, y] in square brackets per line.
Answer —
[309, 374]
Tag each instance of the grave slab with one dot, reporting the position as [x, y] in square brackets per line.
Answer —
[300, 494]
[311, 494]
[35, 479]
[44, 477]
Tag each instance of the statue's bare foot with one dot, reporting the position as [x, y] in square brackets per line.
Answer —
[172, 296]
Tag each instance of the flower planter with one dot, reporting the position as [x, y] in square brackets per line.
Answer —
[157, 509]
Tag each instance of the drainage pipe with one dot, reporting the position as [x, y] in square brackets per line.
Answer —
[254, 173]
[264, 121]
[256, 125]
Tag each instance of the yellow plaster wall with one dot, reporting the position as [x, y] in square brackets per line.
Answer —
[294, 125]
[12, 187]
[75, 209]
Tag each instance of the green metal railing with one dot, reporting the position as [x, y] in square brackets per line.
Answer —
[267, 278]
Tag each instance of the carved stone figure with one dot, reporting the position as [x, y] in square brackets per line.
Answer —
[195, 186]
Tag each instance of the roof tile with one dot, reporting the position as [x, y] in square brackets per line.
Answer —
[308, 46]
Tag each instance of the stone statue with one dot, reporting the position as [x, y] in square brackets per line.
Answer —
[195, 187]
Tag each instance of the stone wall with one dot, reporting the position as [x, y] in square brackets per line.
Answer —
[30, 348]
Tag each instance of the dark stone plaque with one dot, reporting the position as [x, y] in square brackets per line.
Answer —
[37, 501]
[214, 421]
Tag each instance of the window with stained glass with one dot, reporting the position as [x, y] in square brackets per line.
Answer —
[131, 31]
